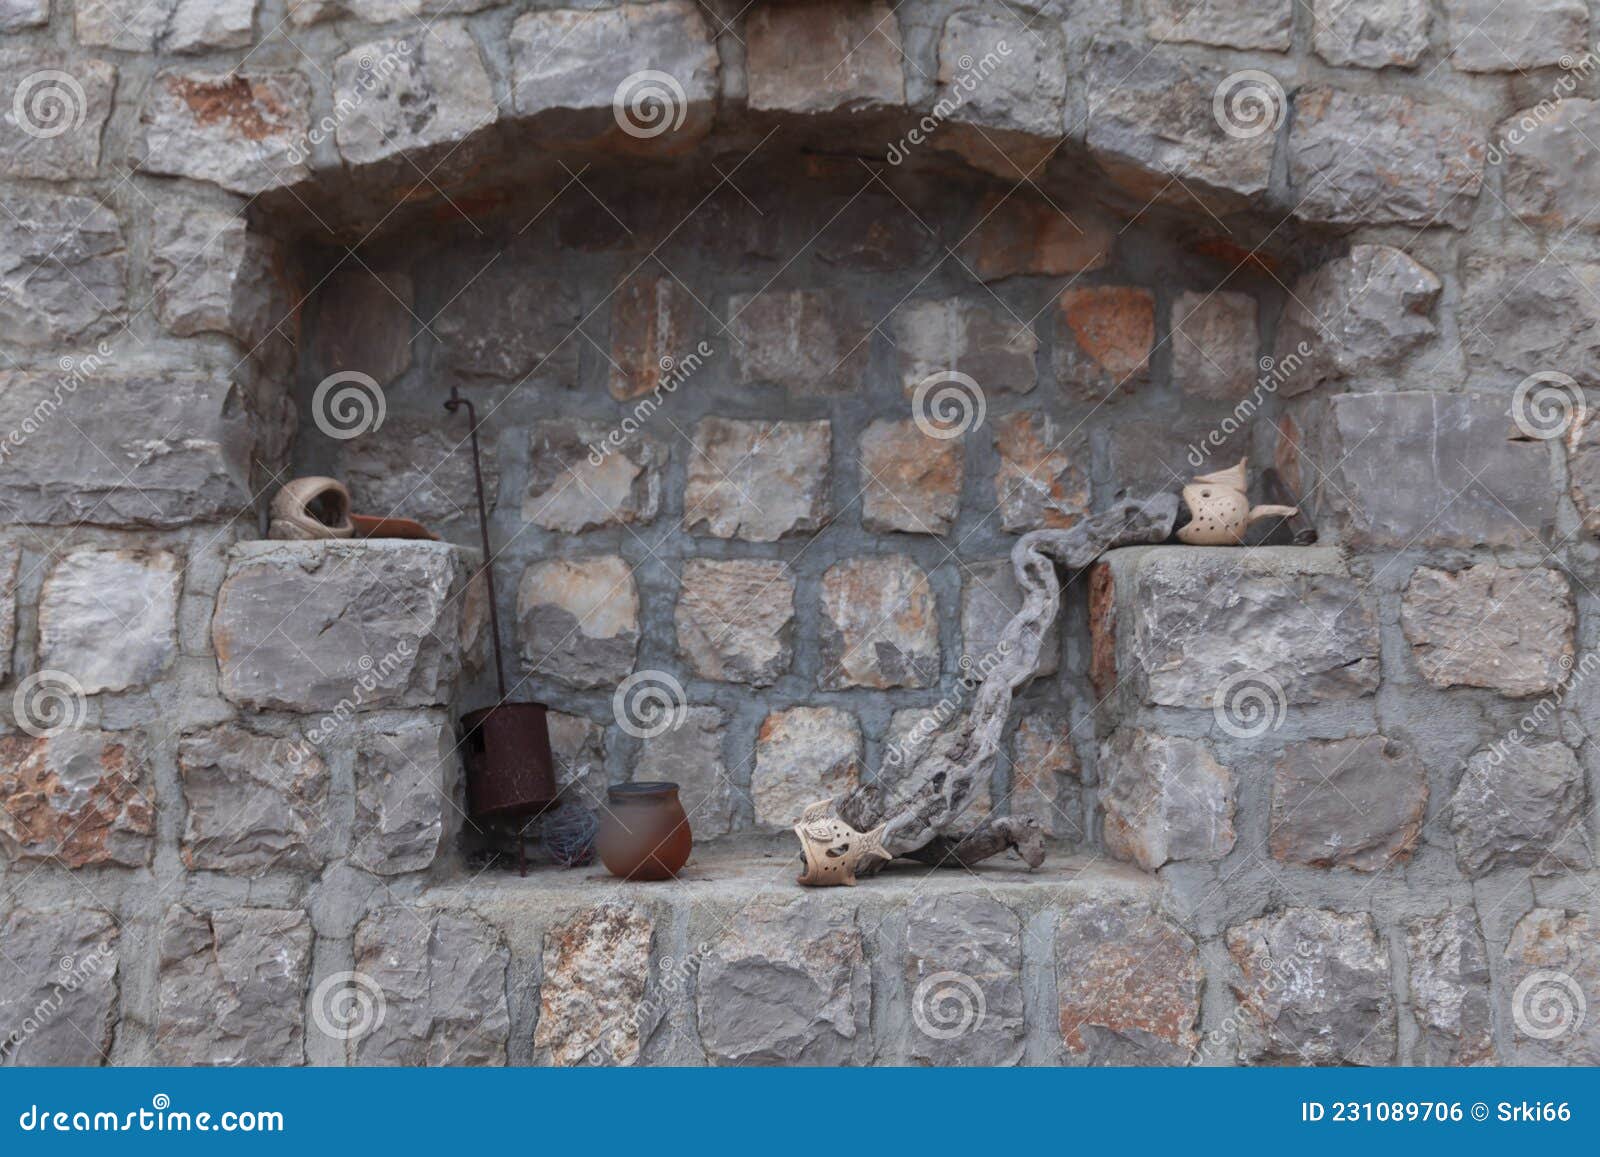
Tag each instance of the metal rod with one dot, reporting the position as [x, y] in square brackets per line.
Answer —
[454, 403]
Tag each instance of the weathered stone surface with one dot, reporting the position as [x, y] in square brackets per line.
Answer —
[68, 956]
[1370, 33]
[756, 480]
[124, 24]
[77, 798]
[56, 107]
[1360, 314]
[157, 450]
[989, 598]
[1423, 469]
[1314, 989]
[254, 803]
[1521, 806]
[305, 626]
[1214, 343]
[1383, 159]
[964, 973]
[1129, 983]
[212, 274]
[787, 985]
[1151, 120]
[203, 25]
[909, 481]
[578, 620]
[571, 60]
[1042, 482]
[1552, 170]
[1552, 972]
[876, 232]
[1104, 335]
[823, 55]
[735, 619]
[879, 625]
[578, 747]
[245, 131]
[1224, 23]
[63, 270]
[109, 618]
[1003, 74]
[1166, 798]
[1449, 971]
[16, 15]
[1019, 233]
[689, 754]
[1487, 37]
[364, 324]
[418, 468]
[1046, 777]
[653, 320]
[592, 1008]
[570, 491]
[1583, 469]
[1347, 803]
[411, 93]
[930, 732]
[232, 986]
[172, 25]
[1157, 455]
[442, 978]
[802, 755]
[404, 776]
[10, 564]
[806, 341]
[495, 321]
[1526, 315]
[953, 334]
[1506, 628]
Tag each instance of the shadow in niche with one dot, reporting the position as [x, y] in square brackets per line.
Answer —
[796, 277]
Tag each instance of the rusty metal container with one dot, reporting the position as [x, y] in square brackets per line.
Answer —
[506, 750]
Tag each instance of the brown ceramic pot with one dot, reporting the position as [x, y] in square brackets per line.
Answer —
[644, 834]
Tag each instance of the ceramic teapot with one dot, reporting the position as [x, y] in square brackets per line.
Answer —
[1220, 510]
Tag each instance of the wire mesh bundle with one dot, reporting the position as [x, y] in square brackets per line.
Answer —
[569, 834]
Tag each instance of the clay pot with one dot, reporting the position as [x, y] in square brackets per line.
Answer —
[644, 833]
[311, 508]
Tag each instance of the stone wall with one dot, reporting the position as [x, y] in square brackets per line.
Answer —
[693, 264]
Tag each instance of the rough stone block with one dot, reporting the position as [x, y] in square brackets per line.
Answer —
[578, 747]
[441, 983]
[1042, 482]
[1552, 175]
[735, 619]
[1129, 982]
[1489, 37]
[1370, 33]
[69, 956]
[802, 755]
[1552, 962]
[653, 321]
[213, 275]
[364, 323]
[1313, 989]
[77, 798]
[876, 232]
[1003, 74]
[787, 985]
[63, 272]
[414, 468]
[57, 107]
[232, 986]
[109, 618]
[1165, 798]
[945, 335]
[10, 565]
[910, 481]
[1020, 234]
[1046, 777]
[16, 15]
[186, 26]
[253, 803]
[1449, 970]
[1527, 315]
[245, 131]
[879, 625]
[989, 598]
[757, 481]
[405, 777]
[1583, 470]
[689, 754]
[806, 341]
[578, 620]
[411, 93]
[306, 626]
[1104, 335]
[1347, 803]
[496, 321]
[592, 1006]
[1222, 23]
[1383, 159]
[1521, 806]
[1214, 343]
[569, 491]
[964, 973]
[822, 55]
[1506, 628]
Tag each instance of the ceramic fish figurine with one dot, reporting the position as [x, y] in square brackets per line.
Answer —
[1220, 510]
[833, 850]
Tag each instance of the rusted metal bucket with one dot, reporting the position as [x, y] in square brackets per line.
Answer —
[506, 750]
